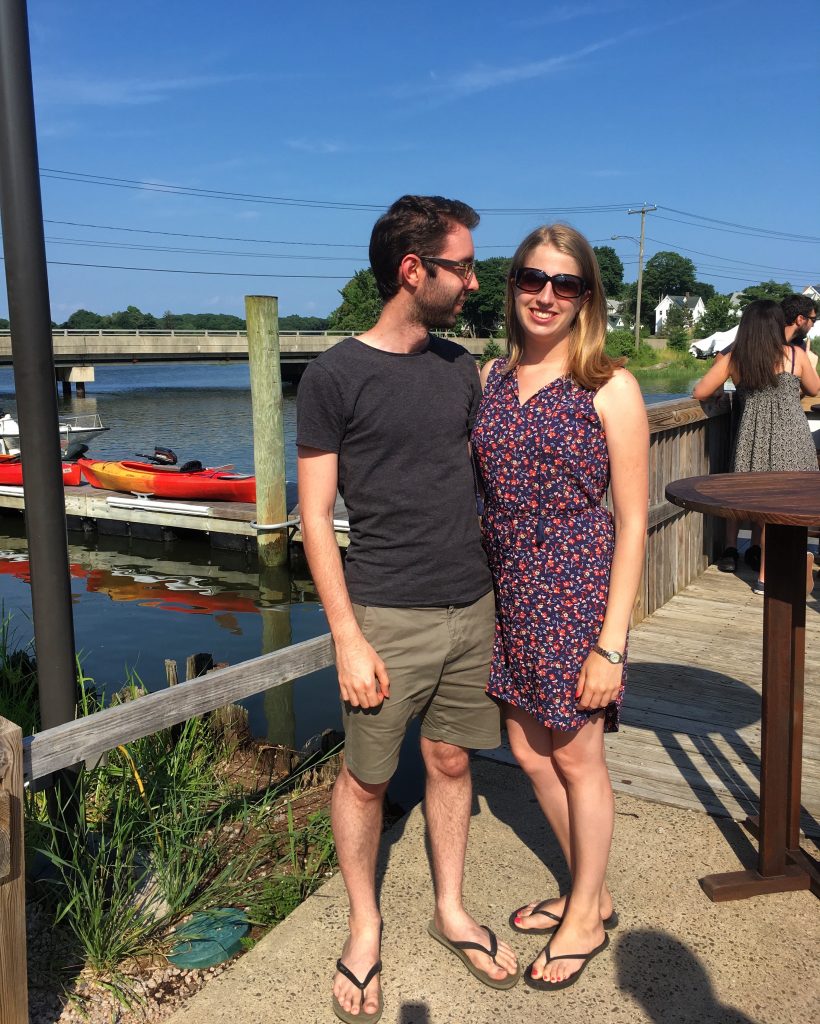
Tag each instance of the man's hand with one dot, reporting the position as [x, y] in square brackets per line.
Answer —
[363, 681]
[599, 683]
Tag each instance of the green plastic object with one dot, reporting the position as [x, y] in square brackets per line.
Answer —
[210, 937]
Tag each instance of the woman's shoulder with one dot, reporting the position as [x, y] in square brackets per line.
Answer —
[622, 385]
[492, 368]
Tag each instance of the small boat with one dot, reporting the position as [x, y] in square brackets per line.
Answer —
[161, 477]
[11, 472]
[72, 428]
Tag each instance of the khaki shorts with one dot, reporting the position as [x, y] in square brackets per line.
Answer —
[438, 662]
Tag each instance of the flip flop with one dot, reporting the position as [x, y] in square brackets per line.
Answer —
[608, 922]
[360, 1017]
[491, 950]
[553, 986]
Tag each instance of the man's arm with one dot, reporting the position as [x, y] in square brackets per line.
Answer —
[363, 680]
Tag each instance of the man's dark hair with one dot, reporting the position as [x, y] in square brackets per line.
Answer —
[797, 305]
[417, 224]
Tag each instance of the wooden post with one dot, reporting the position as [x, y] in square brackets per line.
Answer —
[262, 314]
[13, 982]
[274, 607]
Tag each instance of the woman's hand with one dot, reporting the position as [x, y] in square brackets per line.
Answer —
[599, 683]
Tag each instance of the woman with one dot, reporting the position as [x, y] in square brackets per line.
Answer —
[560, 420]
[773, 434]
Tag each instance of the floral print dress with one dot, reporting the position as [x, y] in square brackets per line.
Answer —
[544, 468]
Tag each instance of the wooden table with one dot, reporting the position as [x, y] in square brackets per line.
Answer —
[788, 504]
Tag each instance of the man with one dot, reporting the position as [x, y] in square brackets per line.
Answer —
[385, 417]
[801, 314]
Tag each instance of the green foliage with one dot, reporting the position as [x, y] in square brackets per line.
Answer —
[483, 310]
[4, 324]
[765, 290]
[19, 701]
[705, 290]
[361, 304]
[667, 273]
[620, 343]
[719, 316]
[132, 319]
[294, 322]
[492, 350]
[612, 270]
[85, 320]
[676, 328]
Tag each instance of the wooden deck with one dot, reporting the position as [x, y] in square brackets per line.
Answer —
[690, 732]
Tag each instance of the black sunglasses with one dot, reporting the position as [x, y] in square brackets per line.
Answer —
[565, 286]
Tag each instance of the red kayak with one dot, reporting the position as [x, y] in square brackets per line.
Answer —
[168, 481]
[11, 473]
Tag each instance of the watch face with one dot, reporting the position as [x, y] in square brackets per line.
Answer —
[614, 657]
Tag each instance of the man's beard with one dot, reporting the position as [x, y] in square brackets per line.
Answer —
[434, 312]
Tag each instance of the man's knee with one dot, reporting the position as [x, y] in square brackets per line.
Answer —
[349, 786]
[445, 758]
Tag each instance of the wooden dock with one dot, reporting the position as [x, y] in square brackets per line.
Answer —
[690, 732]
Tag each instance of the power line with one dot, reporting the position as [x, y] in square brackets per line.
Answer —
[205, 273]
[767, 232]
[731, 231]
[96, 243]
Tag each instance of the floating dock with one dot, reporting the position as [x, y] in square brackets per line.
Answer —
[223, 524]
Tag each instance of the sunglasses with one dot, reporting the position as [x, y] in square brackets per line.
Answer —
[464, 269]
[565, 286]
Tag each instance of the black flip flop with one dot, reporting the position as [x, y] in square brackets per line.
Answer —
[459, 947]
[361, 1017]
[553, 986]
[608, 922]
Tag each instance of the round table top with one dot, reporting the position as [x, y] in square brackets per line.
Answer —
[790, 499]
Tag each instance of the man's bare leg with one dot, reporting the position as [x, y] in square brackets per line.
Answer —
[448, 801]
[356, 817]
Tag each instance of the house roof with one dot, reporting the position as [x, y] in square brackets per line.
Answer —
[684, 301]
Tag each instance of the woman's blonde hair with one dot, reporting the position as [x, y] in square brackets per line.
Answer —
[588, 364]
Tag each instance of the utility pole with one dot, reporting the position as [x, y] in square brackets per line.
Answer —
[643, 212]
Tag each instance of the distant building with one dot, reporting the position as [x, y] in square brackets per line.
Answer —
[734, 301]
[614, 315]
[813, 291]
[692, 305]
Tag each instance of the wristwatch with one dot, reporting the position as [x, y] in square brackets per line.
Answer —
[613, 657]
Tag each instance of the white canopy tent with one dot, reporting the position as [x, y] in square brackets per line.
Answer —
[717, 342]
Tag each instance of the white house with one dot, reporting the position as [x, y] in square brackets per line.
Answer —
[614, 314]
[813, 292]
[690, 304]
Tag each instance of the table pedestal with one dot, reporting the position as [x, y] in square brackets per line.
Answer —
[781, 866]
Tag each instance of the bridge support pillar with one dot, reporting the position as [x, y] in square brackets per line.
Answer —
[79, 375]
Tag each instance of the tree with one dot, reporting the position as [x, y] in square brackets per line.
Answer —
[483, 310]
[361, 304]
[4, 324]
[705, 290]
[612, 270]
[132, 319]
[84, 320]
[720, 315]
[294, 322]
[667, 273]
[676, 327]
[765, 290]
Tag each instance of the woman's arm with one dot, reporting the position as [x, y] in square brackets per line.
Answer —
[809, 380]
[621, 407]
[714, 378]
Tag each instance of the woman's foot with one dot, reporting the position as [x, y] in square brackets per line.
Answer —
[540, 917]
[570, 938]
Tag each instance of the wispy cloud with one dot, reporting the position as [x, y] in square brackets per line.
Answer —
[319, 147]
[78, 90]
[571, 12]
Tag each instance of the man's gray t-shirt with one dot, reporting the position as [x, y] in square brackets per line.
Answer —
[400, 425]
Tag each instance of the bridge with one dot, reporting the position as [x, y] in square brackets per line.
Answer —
[77, 352]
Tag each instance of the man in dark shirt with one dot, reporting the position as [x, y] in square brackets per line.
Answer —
[385, 418]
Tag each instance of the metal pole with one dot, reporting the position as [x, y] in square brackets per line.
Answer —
[643, 212]
[32, 356]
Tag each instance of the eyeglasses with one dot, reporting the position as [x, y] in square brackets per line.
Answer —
[812, 318]
[464, 269]
[565, 286]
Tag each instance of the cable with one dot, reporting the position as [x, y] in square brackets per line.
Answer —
[206, 273]
[766, 232]
[95, 243]
[730, 231]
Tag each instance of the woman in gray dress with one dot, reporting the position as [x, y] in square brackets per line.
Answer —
[773, 434]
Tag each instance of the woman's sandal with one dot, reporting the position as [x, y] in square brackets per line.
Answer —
[361, 1017]
[608, 922]
[553, 986]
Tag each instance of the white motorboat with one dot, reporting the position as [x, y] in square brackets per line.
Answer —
[72, 428]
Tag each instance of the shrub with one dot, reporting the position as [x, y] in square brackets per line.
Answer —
[492, 350]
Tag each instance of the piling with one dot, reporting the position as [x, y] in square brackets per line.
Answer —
[13, 983]
[262, 314]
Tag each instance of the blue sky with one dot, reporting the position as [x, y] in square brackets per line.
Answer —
[706, 109]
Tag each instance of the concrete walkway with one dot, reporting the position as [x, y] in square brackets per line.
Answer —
[675, 959]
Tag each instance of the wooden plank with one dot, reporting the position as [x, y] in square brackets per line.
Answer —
[13, 981]
[88, 738]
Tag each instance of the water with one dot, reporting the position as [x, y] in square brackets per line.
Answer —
[137, 603]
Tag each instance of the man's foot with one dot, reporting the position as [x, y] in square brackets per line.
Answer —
[728, 560]
[554, 965]
[758, 587]
[360, 954]
[545, 916]
[502, 968]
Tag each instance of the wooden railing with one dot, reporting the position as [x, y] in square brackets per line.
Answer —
[686, 439]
